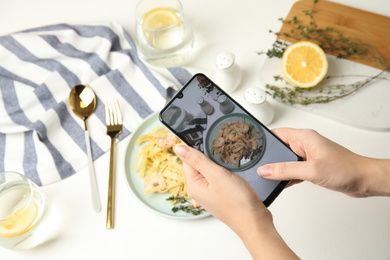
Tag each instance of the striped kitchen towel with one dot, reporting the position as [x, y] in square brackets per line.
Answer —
[39, 134]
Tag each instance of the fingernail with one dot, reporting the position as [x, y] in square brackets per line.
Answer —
[182, 151]
[265, 170]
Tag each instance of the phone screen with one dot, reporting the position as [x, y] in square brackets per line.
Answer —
[206, 118]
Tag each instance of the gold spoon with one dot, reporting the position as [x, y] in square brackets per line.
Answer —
[82, 101]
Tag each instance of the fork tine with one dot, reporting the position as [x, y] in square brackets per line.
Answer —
[113, 114]
[118, 114]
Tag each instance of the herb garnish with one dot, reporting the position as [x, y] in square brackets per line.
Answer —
[184, 205]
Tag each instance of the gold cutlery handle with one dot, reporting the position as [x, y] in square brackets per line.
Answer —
[111, 188]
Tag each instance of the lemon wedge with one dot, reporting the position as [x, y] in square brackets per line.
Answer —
[21, 221]
[160, 18]
[304, 64]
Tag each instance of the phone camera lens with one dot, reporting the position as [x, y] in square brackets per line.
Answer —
[180, 95]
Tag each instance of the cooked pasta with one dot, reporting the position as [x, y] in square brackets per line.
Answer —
[159, 165]
[236, 140]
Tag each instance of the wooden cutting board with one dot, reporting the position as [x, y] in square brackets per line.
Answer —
[368, 108]
[353, 23]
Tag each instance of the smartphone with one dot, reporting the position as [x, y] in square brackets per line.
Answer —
[203, 116]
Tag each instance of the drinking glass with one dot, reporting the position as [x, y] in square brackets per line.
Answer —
[164, 38]
[24, 213]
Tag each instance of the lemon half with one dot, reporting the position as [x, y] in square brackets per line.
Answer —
[304, 64]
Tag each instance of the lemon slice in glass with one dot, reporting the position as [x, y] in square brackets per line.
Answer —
[304, 64]
[160, 18]
[21, 221]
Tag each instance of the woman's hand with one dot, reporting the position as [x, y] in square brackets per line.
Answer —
[329, 165]
[232, 200]
[224, 194]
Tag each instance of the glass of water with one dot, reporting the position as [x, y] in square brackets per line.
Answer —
[164, 38]
[24, 213]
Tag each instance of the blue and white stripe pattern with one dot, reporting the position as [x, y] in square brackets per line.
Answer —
[39, 134]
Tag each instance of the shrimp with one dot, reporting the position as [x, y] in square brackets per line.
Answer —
[195, 204]
[220, 132]
[167, 142]
[233, 137]
[243, 128]
[154, 180]
[234, 158]
[219, 142]
[253, 144]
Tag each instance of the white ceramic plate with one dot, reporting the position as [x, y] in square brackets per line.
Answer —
[155, 202]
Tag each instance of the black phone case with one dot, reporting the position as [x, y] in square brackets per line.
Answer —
[196, 131]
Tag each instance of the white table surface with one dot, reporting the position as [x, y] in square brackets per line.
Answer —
[316, 223]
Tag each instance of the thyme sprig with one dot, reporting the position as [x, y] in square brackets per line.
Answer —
[321, 94]
[329, 39]
[277, 50]
[183, 204]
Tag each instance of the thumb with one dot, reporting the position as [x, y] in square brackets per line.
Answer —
[287, 171]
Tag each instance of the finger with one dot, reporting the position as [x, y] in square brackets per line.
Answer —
[289, 137]
[197, 160]
[288, 171]
[292, 137]
[196, 182]
[191, 174]
[297, 139]
[286, 134]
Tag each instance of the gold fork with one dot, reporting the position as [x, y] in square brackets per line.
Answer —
[114, 128]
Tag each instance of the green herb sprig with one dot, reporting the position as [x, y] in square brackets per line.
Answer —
[277, 50]
[325, 94]
[184, 205]
[327, 38]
